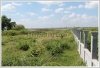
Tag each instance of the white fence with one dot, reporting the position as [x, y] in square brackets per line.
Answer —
[89, 57]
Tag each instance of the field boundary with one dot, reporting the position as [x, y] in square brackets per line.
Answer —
[85, 54]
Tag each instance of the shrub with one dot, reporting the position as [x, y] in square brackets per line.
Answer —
[3, 43]
[54, 47]
[35, 53]
[56, 51]
[15, 32]
[37, 50]
[61, 36]
[10, 32]
[24, 47]
[49, 47]
[34, 40]
[25, 31]
[65, 46]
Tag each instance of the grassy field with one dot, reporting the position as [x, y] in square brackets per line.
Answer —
[39, 48]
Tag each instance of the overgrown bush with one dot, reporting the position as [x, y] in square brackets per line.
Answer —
[54, 47]
[37, 50]
[65, 46]
[34, 40]
[14, 32]
[10, 32]
[56, 51]
[24, 47]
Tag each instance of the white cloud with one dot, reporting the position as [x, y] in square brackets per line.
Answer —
[45, 9]
[91, 4]
[72, 15]
[80, 6]
[8, 7]
[74, 19]
[29, 3]
[49, 2]
[43, 17]
[16, 4]
[45, 2]
[71, 7]
[46, 19]
[66, 11]
[83, 16]
[59, 10]
[62, 4]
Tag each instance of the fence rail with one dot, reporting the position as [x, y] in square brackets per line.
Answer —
[88, 52]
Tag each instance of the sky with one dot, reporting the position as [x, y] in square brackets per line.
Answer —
[52, 14]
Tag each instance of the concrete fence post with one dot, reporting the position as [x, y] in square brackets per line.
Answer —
[94, 45]
[80, 36]
[85, 38]
[85, 43]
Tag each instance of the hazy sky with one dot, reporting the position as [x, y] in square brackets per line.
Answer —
[43, 14]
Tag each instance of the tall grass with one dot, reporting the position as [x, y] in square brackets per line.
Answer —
[24, 49]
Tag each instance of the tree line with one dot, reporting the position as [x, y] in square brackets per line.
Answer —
[7, 24]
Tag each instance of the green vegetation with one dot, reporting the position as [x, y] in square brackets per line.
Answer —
[8, 25]
[24, 46]
[18, 27]
[39, 48]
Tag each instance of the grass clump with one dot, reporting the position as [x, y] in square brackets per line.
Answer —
[56, 47]
[37, 50]
[24, 47]
[56, 51]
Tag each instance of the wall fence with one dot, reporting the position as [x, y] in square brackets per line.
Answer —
[88, 52]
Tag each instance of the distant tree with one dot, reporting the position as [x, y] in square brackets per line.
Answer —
[9, 26]
[19, 27]
[13, 24]
[6, 23]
